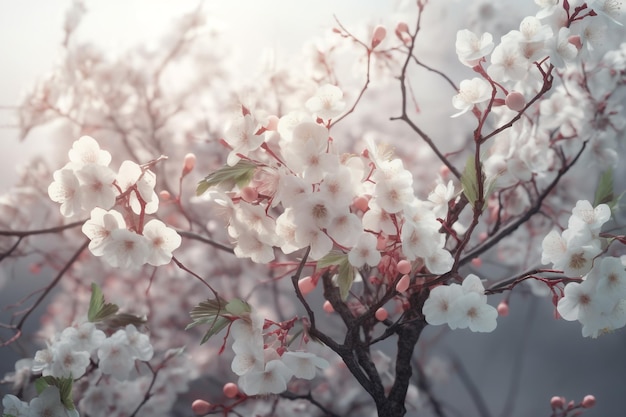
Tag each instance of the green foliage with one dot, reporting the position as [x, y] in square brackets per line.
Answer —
[228, 176]
[63, 384]
[98, 309]
[470, 183]
[345, 274]
[218, 313]
[604, 190]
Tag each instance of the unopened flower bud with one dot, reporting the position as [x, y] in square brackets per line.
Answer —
[328, 307]
[557, 402]
[201, 407]
[271, 123]
[477, 262]
[164, 195]
[189, 163]
[381, 314]
[379, 35]
[306, 285]
[403, 284]
[230, 390]
[404, 266]
[361, 203]
[503, 309]
[589, 401]
[515, 101]
[401, 27]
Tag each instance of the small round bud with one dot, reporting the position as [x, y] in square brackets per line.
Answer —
[361, 203]
[165, 195]
[589, 401]
[477, 262]
[230, 390]
[557, 402]
[515, 101]
[249, 194]
[328, 307]
[403, 284]
[189, 163]
[503, 309]
[381, 314]
[378, 36]
[201, 407]
[306, 285]
[401, 28]
[404, 266]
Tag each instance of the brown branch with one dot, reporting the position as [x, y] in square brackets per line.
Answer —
[55, 281]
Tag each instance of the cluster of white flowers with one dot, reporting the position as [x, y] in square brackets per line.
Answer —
[362, 205]
[48, 404]
[599, 301]
[87, 183]
[71, 353]
[260, 366]
[554, 36]
[573, 251]
[461, 306]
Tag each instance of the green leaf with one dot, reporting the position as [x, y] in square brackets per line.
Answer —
[207, 311]
[217, 313]
[469, 181]
[63, 384]
[98, 309]
[332, 258]
[239, 175]
[238, 307]
[345, 278]
[216, 327]
[604, 190]
[41, 384]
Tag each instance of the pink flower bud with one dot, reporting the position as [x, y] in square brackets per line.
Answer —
[379, 34]
[503, 309]
[164, 195]
[404, 266]
[230, 390]
[361, 203]
[589, 401]
[306, 285]
[515, 101]
[477, 262]
[189, 163]
[401, 29]
[381, 314]
[557, 402]
[328, 307]
[201, 407]
[403, 284]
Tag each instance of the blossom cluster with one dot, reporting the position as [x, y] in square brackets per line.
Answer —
[461, 306]
[121, 238]
[598, 300]
[363, 205]
[266, 366]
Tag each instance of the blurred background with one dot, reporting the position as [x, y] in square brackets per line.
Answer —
[516, 369]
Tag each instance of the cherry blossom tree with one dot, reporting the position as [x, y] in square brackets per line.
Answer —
[273, 246]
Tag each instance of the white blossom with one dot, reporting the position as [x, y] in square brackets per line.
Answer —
[327, 102]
